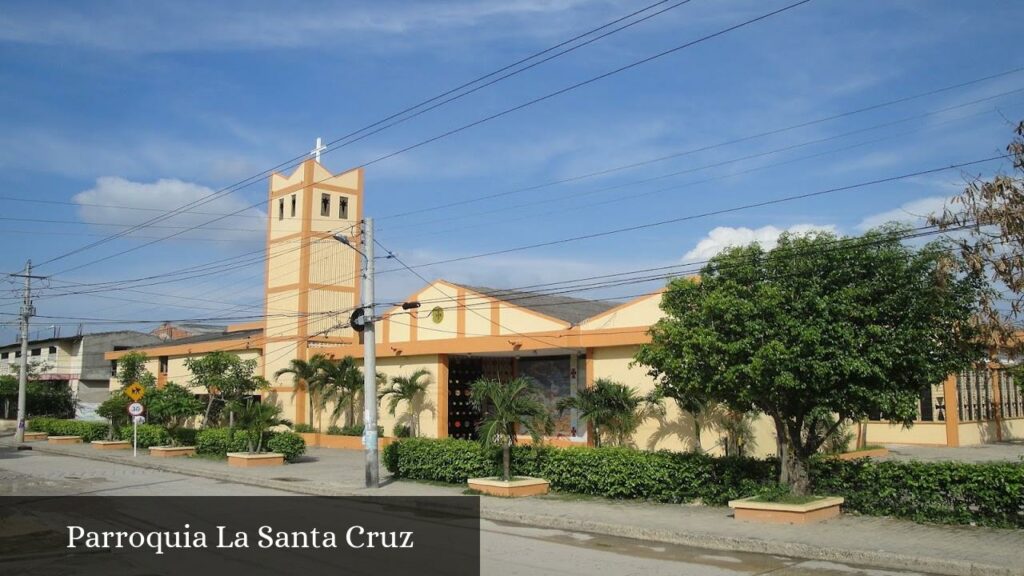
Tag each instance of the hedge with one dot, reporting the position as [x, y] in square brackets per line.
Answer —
[220, 441]
[149, 435]
[42, 399]
[87, 429]
[990, 494]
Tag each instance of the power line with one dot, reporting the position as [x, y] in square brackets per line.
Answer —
[297, 159]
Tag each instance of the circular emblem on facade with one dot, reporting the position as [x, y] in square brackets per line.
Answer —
[437, 314]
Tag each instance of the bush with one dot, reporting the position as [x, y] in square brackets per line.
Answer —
[990, 494]
[149, 435]
[88, 430]
[352, 430]
[402, 431]
[288, 443]
[220, 441]
[307, 428]
[42, 399]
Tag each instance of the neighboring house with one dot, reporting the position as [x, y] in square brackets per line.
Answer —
[175, 331]
[77, 360]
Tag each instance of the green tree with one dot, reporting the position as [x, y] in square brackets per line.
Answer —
[115, 410]
[255, 418]
[341, 383]
[613, 408]
[172, 406]
[852, 327]
[131, 368]
[409, 389]
[307, 375]
[505, 407]
[225, 377]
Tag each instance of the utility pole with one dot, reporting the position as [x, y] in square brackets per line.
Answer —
[27, 312]
[369, 362]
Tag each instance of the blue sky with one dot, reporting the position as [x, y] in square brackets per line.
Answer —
[147, 106]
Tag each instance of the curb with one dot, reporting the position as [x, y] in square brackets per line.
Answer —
[869, 558]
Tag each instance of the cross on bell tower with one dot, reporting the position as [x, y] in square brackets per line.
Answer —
[315, 152]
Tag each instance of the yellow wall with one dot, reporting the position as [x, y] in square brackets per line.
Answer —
[405, 366]
[927, 433]
[977, 433]
[641, 312]
[440, 296]
[513, 320]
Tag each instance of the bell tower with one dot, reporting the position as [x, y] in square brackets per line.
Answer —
[312, 279]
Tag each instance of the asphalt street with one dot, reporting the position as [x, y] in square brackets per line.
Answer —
[505, 549]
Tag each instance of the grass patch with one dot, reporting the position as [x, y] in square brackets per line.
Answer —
[786, 499]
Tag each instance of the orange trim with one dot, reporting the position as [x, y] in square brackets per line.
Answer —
[414, 326]
[997, 402]
[239, 345]
[589, 367]
[952, 411]
[258, 325]
[442, 396]
[291, 187]
[385, 333]
[495, 317]
[334, 187]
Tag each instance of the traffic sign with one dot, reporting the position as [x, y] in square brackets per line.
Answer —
[135, 409]
[135, 391]
[139, 420]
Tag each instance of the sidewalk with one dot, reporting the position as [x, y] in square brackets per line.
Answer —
[877, 542]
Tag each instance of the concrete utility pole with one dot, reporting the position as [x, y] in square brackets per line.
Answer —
[27, 312]
[369, 362]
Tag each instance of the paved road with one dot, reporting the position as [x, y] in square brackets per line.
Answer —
[506, 549]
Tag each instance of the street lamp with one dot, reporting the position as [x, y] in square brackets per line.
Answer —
[369, 353]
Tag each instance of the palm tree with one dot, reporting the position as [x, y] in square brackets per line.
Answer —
[408, 389]
[305, 374]
[505, 407]
[613, 408]
[342, 383]
[256, 418]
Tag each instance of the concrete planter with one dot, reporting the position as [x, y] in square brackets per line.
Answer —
[350, 442]
[511, 489]
[873, 453]
[172, 451]
[779, 513]
[35, 436]
[64, 440]
[111, 444]
[311, 438]
[246, 460]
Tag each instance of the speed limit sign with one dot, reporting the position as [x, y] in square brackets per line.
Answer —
[135, 409]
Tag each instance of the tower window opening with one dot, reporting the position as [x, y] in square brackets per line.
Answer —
[343, 209]
[293, 205]
[280, 209]
[325, 204]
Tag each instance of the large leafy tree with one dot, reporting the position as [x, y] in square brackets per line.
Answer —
[505, 408]
[409, 389]
[853, 327]
[306, 375]
[225, 377]
[131, 368]
[614, 409]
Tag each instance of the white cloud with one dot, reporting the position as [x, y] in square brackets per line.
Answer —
[109, 205]
[724, 237]
[912, 213]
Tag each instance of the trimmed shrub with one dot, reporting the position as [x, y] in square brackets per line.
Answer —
[990, 494]
[288, 443]
[220, 441]
[306, 428]
[352, 430]
[149, 435]
[88, 430]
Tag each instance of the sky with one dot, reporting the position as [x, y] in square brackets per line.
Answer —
[116, 112]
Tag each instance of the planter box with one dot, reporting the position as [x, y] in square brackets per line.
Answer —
[246, 460]
[172, 451]
[35, 436]
[779, 513]
[64, 440]
[510, 489]
[111, 444]
[873, 453]
[311, 438]
[350, 442]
